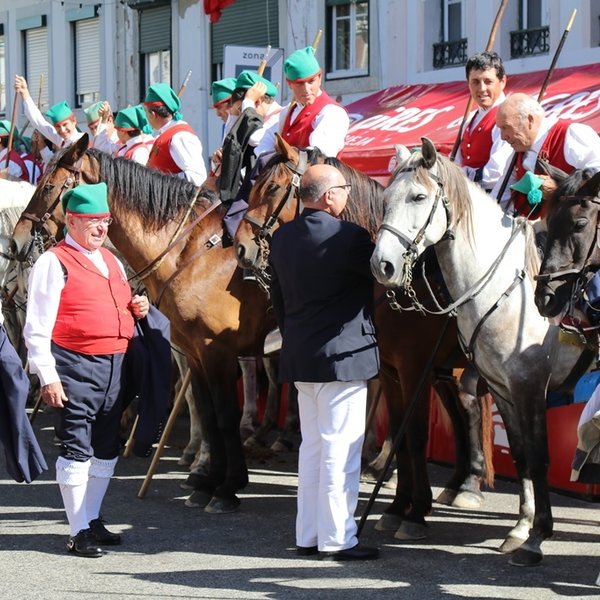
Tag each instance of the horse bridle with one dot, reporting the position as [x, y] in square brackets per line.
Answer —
[265, 230]
[41, 234]
[410, 254]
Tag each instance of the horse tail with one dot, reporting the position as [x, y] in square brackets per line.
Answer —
[487, 429]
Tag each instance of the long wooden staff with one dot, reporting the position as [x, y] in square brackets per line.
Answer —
[541, 95]
[39, 102]
[315, 45]
[184, 84]
[263, 63]
[488, 48]
[11, 135]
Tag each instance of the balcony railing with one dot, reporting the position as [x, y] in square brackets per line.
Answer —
[529, 42]
[450, 54]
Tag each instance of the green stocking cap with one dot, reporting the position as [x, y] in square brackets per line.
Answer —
[246, 79]
[222, 89]
[161, 93]
[529, 185]
[133, 117]
[301, 65]
[59, 112]
[92, 113]
[90, 200]
[5, 129]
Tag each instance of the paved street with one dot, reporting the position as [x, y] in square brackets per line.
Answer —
[171, 551]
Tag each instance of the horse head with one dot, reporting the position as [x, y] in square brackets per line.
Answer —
[41, 223]
[572, 252]
[416, 212]
[273, 200]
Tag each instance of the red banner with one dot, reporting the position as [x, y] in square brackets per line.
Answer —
[214, 8]
[403, 114]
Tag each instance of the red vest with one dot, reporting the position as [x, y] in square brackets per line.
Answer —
[553, 152]
[15, 158]
[37, 168]
[160, 155]
[298, 133]
[93, 314]
[128, 154]
[476, 143]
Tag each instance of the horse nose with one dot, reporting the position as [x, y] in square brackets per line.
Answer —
[383, 270]
[545, 302]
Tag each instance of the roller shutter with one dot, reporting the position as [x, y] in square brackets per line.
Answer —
[87, 61]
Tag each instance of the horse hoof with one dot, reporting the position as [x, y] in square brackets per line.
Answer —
[279, 446]
[222, 506]
[447, 497]
[511, 544]
[525, 557]
[198, 499]
[411, 531]
[186, 460]
[468, 499]
[388, 522]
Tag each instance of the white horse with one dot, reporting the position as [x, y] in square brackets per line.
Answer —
[487, 261]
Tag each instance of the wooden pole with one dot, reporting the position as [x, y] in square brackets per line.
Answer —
[184, 84]
[488, 48]
[541, 95]
[11, 135]
[263, 63]
[165, 435]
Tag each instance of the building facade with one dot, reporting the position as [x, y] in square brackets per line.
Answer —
[84, 51]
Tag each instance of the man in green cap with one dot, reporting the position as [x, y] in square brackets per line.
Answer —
[255, 96]
[16, 165]
[60, 127]
[177, 149]
[92, 116]
[312, 119]
[132, 131]
[221, 92]
[80, 318]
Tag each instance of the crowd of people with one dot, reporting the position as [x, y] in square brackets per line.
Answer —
[321, 281]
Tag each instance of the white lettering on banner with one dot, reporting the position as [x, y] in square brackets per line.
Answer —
[357, 140]
[406, 119]
[571, 105]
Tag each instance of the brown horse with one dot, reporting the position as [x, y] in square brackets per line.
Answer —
[405, 342]
[215, 316]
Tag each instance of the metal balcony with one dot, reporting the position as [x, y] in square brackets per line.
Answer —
[529, 42]
[450, 54]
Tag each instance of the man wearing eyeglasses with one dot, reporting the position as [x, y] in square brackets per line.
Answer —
[80, 318]
[322, 293]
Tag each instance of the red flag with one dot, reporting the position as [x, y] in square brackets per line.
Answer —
[214, 8]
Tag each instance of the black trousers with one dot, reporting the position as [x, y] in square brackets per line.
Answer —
[88, 425]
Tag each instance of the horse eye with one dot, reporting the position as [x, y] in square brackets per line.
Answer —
[419, 197]
[272, 188]
[580, 224]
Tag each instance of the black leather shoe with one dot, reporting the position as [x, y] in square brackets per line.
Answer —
[307, 550]
[84, 544]
[357, 552]
[102, 535]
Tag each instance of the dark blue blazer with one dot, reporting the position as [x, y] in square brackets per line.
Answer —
[24, 458]
[322, 293]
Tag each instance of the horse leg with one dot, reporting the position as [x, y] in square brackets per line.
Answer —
[258, 439]
[527, 437]
[250, 411]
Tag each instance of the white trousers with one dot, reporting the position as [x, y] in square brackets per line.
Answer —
[332, 421]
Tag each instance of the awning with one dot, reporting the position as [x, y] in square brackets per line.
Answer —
[403, 114]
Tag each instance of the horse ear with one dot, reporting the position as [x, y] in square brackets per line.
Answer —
[429, 153]
[554, 172]
[281, 146]
[402, 153]
[76, 150]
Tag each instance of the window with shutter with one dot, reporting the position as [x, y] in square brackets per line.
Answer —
[36, 62]
[87, 62]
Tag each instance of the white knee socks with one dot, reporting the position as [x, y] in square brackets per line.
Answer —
[72, 478]
[99, 477]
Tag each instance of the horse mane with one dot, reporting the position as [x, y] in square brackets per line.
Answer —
[156, 197]
[572, 185]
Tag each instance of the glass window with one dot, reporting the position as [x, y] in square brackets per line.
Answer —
[453, 20]
[348, 39]
[158, 67]
[87, 61]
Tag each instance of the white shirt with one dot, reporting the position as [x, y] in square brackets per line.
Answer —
[186, 151]
[142, 152]
[500, 152]
[46, 282]
[271, 118]
[37, 119]
[330, 127]
[581, 150]
[102, 141]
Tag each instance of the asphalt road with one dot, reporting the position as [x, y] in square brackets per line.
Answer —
[171, 551]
